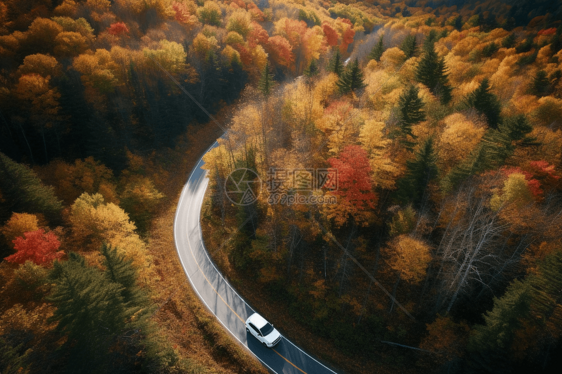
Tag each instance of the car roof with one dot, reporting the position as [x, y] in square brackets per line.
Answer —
[258, 320]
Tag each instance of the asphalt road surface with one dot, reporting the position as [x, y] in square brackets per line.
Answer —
[217, 294]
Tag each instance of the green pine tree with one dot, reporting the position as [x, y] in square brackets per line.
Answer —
[430, 39]
[410, 113]
[266, 81]
[378, 50]
[489, 49]
[90, 312]
[419, 173]
[13, 358]
[119, 270]
[335, 65]
[503, 320]
[351, 79]
[509, 41]
[517, 130]
[485, 102]
[458, 23]
[23, 191]
[443, 89]
[491, 153]
[489, 345]
[540, 86]
[409, 46]
[105, 318]
[534, 301]
[312, 69]
[546, 294]
[431, 72]
[526, 46]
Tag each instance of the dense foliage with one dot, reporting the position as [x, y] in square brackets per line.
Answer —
[437, 123]
[442, 120]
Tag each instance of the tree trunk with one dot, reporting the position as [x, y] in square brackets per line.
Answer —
[263, 130]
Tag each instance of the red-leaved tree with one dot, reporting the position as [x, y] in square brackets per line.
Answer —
[354, 185]
[545, 173]
[37, 246]
[550, 31]
[539, 174]
[118, 28]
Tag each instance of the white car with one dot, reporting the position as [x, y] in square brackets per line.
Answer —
[263, 330]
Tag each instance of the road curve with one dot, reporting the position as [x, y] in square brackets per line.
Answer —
[217, 294]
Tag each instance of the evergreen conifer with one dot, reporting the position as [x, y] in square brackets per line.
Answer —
[266, 81]
[485, 102]
[378, 50]
[351, 79]
[410, 113]
[335, 65]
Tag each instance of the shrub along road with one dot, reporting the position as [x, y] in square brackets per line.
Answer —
[221, 299]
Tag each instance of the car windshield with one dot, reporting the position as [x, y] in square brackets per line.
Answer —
[266, 330]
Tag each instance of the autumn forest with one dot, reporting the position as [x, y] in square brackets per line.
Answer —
[442, 119]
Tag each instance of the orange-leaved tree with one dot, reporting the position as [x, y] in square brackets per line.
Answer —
[37, 246]
[257, 35]
[330, 34]
[280, 50]
[446, 338]
[345, 29]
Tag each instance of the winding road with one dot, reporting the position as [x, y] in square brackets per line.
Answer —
[217, 294]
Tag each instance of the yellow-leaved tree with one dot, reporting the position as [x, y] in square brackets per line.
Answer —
[410, 258]
[43, 65]
[515, 192]
[140, 199]
[171, 56]
[94, 222]
[385, 171]
[459, 138]
[17, 225]
[239, 22]
[70, 44]
[97, 70]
